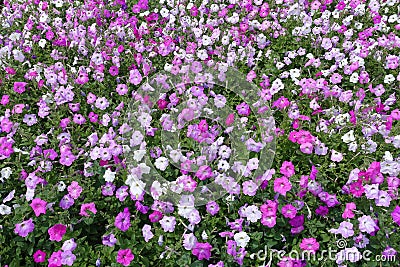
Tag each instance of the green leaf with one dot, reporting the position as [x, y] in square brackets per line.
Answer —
[197, 264]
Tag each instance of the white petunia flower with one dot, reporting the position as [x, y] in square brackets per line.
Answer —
[5, 173]
[138, 155]
[161, 163]
[61, 186]
[5, 210]
[353, 146]
[30, 193]
[348, 137]
[109, 176]
[136, 187]
[241, 238]
[388, 156]
[144, 168]
[389, 78]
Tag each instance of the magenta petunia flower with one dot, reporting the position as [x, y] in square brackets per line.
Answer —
[230, 119]
[202, 251]
[57, 232]
[297, 221]
[55, 259]
[39, 256]
[281, 103]
[123, 221]
[270, 208]
[24, 228]
[322, 211]
[289, 211]
[88, 206]
[74, 190]
[19, 87]
[113, 70]
[125, 256]
[348, 212]
[82, 78]
[268, 220]
[396, 215]
[287, 169]
[243, 109]
[5, 99]
[231, 247]
[155, 216]
[310, 244]
[282, 185]
[39, 206]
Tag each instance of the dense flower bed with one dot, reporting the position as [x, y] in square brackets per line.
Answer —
[166, 133]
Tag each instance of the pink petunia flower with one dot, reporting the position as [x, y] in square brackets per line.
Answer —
[39, 206]
[287, 169]
[19, 87]
[122, 221]
[310, 244]
[88, 206]
[282, 185]
[55, 259]
[396, 215]
[39, 256]
[57, 232]
[125, 256]
[202, 251]
[74, 190]
[289, 211]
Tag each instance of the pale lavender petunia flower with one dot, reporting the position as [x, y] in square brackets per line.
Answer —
[24, 228]
[67, 258]
[109, 240]
[345, 229]
[69, 245]
[30, 119]
[189, 241]
[371, 191]
[367, 224]
[168, 223]
[383, 199]
[147, 234]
